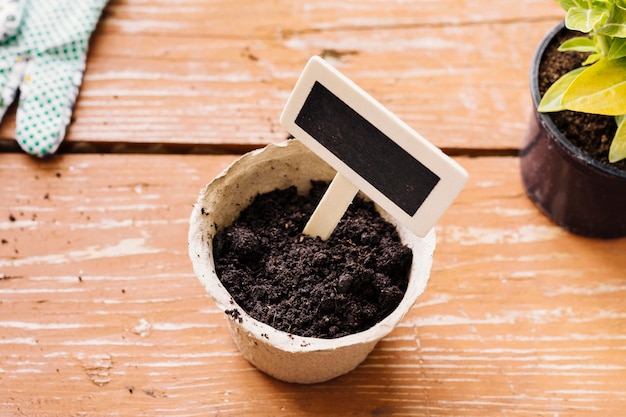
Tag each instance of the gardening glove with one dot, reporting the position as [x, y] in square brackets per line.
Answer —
[43, 48]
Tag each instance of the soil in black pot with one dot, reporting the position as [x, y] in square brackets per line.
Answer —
[591, 133]
[303, 285]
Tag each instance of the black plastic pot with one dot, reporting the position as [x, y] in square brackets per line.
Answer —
[574, 190]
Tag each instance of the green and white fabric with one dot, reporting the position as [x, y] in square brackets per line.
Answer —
[43, 49]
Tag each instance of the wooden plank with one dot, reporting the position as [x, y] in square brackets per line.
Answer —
[100, 314]
[204, 75]
[267, 18]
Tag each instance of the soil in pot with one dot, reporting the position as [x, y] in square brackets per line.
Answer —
[303, 285]
[591, 133]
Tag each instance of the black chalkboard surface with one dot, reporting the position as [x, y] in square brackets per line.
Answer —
[367, 150]
[373, 149]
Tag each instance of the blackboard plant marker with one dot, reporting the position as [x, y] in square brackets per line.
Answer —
[371, 149]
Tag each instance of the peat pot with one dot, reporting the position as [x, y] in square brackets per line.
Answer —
[577, 192]
[285, 356]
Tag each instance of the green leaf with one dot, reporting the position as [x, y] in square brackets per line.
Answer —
[591, 59]
[615, 24]
[617, 151]
[584, 20]
[568, 4]
[551, 100]
[579, 44]
[599, 89]
[618, 48]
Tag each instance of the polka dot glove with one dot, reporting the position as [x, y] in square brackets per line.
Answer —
[43, 48]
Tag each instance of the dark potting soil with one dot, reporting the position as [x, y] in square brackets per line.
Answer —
[303, 285]
[591, 133]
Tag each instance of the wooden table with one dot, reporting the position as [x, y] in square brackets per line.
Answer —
[101, 314]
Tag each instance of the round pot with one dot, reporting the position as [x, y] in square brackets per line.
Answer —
[286, 356]
[574, 190]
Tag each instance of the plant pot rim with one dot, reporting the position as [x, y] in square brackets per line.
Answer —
[565, 145]
[284, 340]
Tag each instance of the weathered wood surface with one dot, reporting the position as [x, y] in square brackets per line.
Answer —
[101, 315]
[198, 75]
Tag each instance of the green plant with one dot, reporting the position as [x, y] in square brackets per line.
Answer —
[598, 86]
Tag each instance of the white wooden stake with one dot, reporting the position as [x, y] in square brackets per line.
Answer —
[331, 208]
